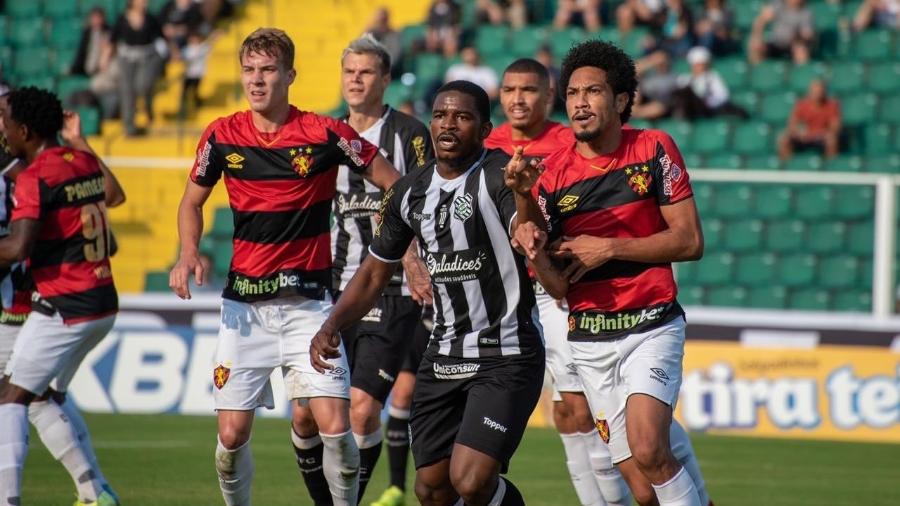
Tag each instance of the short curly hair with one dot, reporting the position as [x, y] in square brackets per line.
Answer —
[37, 109]
[619, 67]
[482, 101]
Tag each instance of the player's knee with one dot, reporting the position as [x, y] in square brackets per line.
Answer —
[644, 496]
[233, 437]
[364, 415]
[430, 494]
[473, 487]
[650, 454]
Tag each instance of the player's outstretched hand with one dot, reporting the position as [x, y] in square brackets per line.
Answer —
[181, 273]
[585, 252]
[325, 345]
[529, 239]
[521, 175]
[71, 129]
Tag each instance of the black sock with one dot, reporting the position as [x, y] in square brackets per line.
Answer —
[512, 497]
[397, 435]
[309, 460]
[368, 457]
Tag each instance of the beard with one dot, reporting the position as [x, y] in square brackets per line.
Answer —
[588, 135]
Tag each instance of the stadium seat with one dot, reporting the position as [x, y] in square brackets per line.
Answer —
[31, 62]
[852, 300]
[840, 271]
[61, 9]
[680, 130]
[772, 201]
[786, 236]
[411, 34]
[712, 233]
[26, 33]
[428, 68]
[221, 262]
[691, 296]
[826, 237]
[71, 84]
[825, 15]
[865, 273]
[727, 296]
[112, 8]
[397, 93]
[90, 120]
[859, 109]
[4, 31]
[755, 269]
[745, 12]
[633, 42]
[526, 41]
[776, 107]
[854, 202]
[694, 160]
[65, 33]
[733, 200]
[876, 139]
[846, 77]
[62, 60]
[223, 223]
[844, 163]
[752, 138]
[814, 201]
[746, 99]
[41, 81]
[804, 162]
[873, 45]
[734, 72]
[774, 297]
[802, 75]
[861, 238]
[703, 196]
[715, 269]
[724, 161]
[156, 281]
[762, 162]
[744, 235]
[883, 163]
[23, 9]
[492, 40]
[561, 40]
[810, 299]
[710, 136]
[768, 75]
[884, 78]
[797, 270]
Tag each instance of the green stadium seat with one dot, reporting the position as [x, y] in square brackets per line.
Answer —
[90, 120]
[4, 29]
[772, 201]
[745, 12]
[561, 41]
[768, 75]
[804, 162]
[865, 273]
[685, 272]
[428, 68]
[155, 6]
[883, 163]
[32, 62]
[734, 72]
[61, 9]
[724, 161]
[691, 296]
[498, 62]
[776, 107]
[826, 237]
[797, 270]
[221, 262]
[755, 269]
[694, 160]
[680, 130]
[41, 81]
[884, 78]
[397, 93]
[854, 202]
[771, 297]
[859, 109]
[710, 136]
[703, 196]
[112, 8]
[68, 85]
[873, 45]
[527, 40]
[877, 139]
[62, 60]
[802, 75]
[713, 233]
[492, 39]
[65, 33]
[411, 34]
[825, 15]
[23, 9]
[727, 296]
[715, 269]
[733, 200]
[223, 223]
[846, 77]
[861, 238]
[207, 246]
[633, 42]
[752, 138]
[762, 162]
[786, 236]
[810, 299]
[852, 300]
[840, 271]
[814, 201]
[26, 33]
[746, 99]
[844, 163]
[156, 281]
[744, 235]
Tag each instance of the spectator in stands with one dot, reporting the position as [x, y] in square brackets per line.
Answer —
[443, 27]
[676, 35]
[656, 88]
[471, 69]
[815, 123]
[650, 13]
[179, 19]
[587, 13]
[879, 13]
[90, 48]
[703, 93]
[194, 54]
[139, 48]
[714, 28]
[380, 28]
[497, 12]
[89, 61]
[792, 32]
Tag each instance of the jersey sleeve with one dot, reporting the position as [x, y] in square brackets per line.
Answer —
[545, 196]
[418, 150]
[392, 235]
[673, 182]
[352, 150]
[27, 196]
[207, 165]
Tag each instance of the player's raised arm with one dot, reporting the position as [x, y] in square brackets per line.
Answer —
[72, 135]
[381, 173]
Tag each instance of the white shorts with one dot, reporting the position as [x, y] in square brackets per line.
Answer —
[48, 350]
[257, 337]
[8, 334]
[645, 363]
[554, 321]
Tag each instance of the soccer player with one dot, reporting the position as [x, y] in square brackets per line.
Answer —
[526, 96]
[280, 168]
[59, 224]
[377, 345]
[619, 209]
[481, 375]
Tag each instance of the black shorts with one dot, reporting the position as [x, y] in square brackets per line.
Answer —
[378, 344]
[481, 403]
[420, 341]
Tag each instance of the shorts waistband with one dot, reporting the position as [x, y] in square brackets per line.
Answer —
[598, 325]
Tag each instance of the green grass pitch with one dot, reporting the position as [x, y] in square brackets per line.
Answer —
[168, 460]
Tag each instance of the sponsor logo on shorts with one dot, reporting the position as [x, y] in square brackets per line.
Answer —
[639, 179]
[385, 376]
[455, 371]
[659, 375]
[571, 369]
[374, 315]
[337, 373]
[220, 376]
[494, 425]
[601, 323]
[603, 429]
[462, 207]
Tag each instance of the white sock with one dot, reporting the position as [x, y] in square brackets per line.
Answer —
[679, 491]
[84, 437]
[235, 468]
[613, 488]
[13, 447]
[58, 435]
[340, 463]
[579, 464]
[368, 440]
[684, 452]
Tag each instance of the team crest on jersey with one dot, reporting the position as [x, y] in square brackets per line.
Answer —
[235, 161]
[603, 429]
[379, 218]
[462, 207]
[301, 164]
[571, 324]
[68, 156]
[220, 376]
[639, 179]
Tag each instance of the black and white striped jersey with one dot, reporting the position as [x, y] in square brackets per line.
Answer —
[484, 303]
[406, 143]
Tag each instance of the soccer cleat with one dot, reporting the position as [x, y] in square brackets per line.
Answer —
[104, 499]
[393, 496]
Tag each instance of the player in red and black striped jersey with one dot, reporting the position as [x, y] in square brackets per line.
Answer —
[619, 210]
[526, 95]
[280, 167]
[59, 225]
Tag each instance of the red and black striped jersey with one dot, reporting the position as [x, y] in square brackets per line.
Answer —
[554, 137]
[280, 188]
[63, 189]
[616, 195]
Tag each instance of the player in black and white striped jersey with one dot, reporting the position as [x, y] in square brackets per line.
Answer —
[482, 373]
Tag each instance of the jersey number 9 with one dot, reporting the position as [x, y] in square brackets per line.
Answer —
[94, 227]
